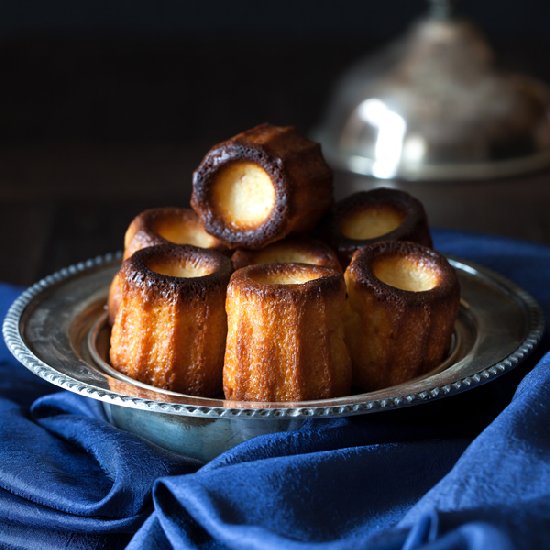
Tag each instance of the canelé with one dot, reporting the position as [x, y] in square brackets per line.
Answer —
[381, 214]
[403, 302]
[167, 225]
[261, 185]
[285, 339]
[171, 325]
[115, 296]
[160, 226]
[290, 250]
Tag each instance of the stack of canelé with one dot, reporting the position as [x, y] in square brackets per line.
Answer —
[264, 290]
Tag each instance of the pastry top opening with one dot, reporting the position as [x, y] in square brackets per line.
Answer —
[286, 274]
[182, 268]
[409, 273]
[243, 195]
[371, 222]
[286, 278]
[285, 256]
[181, 230]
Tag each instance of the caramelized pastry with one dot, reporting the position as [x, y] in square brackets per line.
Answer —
[285, 338]
[160, 226]
[261, 185]
[297, 251]
[382, 214]
[404, 300]
[114, 299]
[171, 325]
[167, 225]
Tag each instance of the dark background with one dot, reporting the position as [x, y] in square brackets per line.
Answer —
[107, 106]
[107, 70]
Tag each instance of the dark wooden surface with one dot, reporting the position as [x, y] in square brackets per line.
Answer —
[92, 133]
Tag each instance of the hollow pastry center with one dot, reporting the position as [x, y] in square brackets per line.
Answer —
[286, 277]
[369, 223]
[244, 194]
[285, 256]
[185, 232]
[182, 268]
[406, 273]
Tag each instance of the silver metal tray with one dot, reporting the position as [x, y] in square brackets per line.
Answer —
[57, 329]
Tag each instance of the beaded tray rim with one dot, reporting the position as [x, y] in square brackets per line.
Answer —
[94, 383]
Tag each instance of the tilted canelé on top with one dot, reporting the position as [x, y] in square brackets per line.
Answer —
[261, 185]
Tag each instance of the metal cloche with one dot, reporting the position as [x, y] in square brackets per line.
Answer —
[433, 106]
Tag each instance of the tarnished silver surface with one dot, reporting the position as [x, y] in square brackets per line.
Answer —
[434, 106]
[57, 329]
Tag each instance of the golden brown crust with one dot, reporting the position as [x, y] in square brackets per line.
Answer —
[290, 250]
[167, 225]
[170, 330]
[285, 342]
[412, 225]
[395, 334]
[114, 299]
[160, 226]
[301, 179]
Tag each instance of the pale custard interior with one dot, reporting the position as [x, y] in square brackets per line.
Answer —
[369, 223]
[244, 195]
[406, 273]
[181, 268]
[290, 277]
[185, 232]
[284, 256]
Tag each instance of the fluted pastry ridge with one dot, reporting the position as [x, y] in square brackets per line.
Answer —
[404, 300]
[170, 327]
[285, 338]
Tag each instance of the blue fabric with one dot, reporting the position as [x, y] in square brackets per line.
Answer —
[467, 472]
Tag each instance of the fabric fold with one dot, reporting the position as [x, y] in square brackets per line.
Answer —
[470, 471]
[508, 464]
[67, 472]
[492, 493]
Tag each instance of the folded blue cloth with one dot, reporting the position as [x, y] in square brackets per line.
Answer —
[470, 471]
